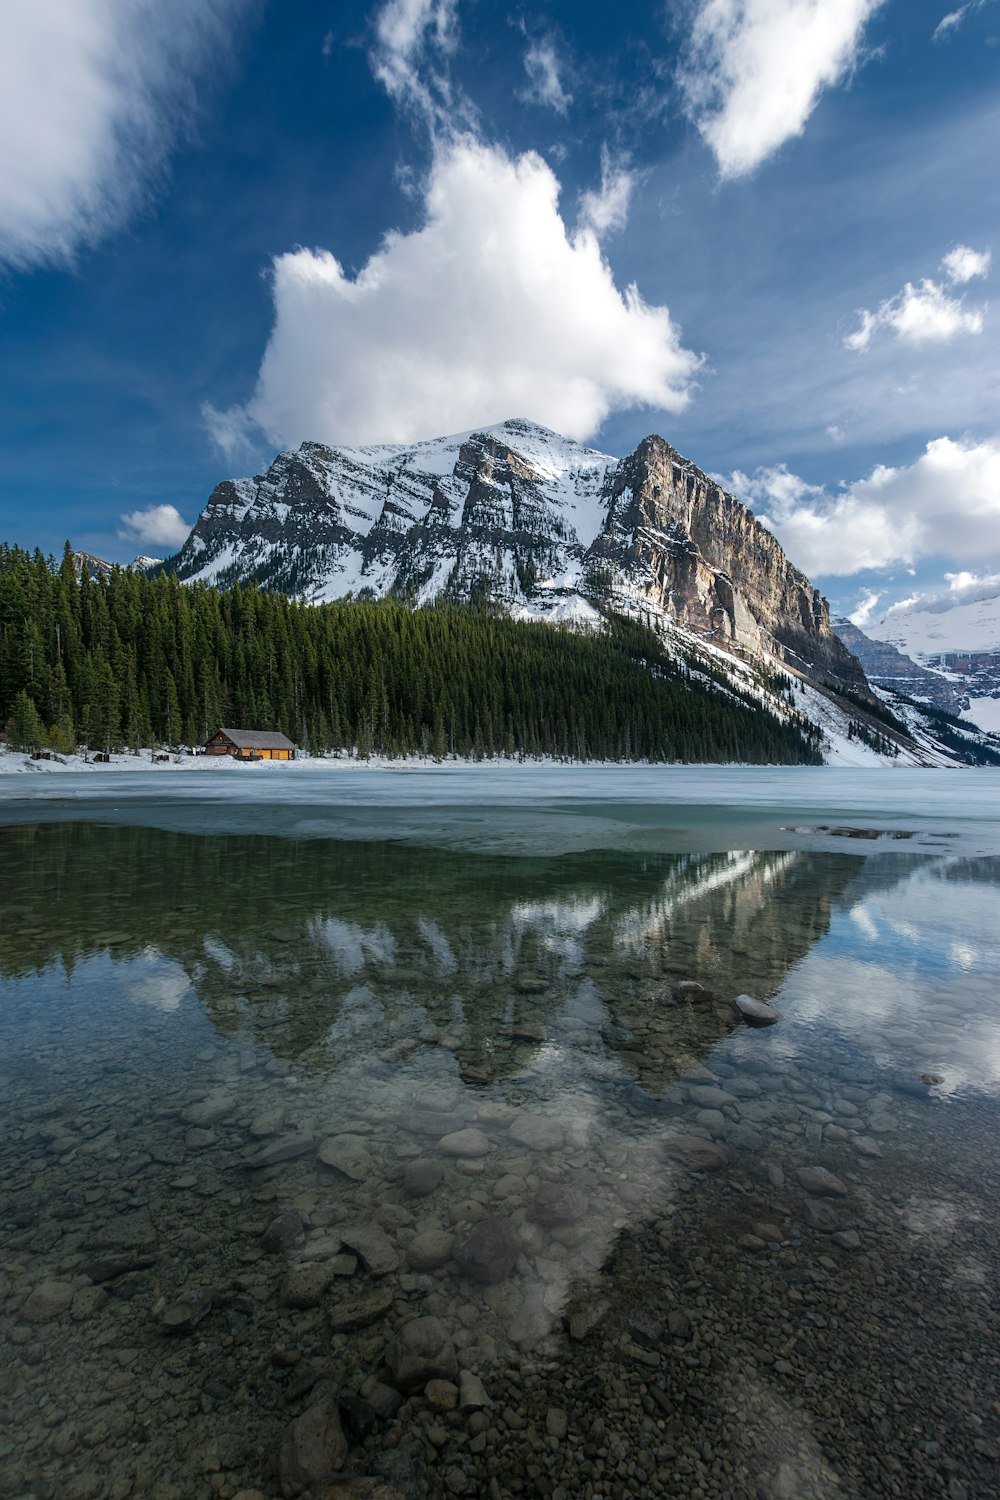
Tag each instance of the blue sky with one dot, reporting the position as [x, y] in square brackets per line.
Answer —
[762, 228]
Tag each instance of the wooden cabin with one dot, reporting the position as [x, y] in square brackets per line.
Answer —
[250, 744]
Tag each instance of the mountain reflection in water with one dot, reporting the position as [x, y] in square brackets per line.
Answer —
[511, 1094]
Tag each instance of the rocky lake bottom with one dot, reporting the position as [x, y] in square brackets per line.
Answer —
[360, 1169]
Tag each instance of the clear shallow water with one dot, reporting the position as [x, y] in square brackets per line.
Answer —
[231, 1066]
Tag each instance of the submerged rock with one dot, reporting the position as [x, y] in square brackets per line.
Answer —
[821, 1183]
[756, 1012]
[697, 1154]
[488, 1251]
[422, 1351]
[313, 1446]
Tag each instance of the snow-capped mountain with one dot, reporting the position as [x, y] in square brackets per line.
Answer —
[887, 667]
[532, 521]
[960, 643]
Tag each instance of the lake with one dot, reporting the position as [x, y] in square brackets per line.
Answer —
[403, 1123]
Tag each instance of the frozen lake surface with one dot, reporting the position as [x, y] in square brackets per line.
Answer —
[532, 808]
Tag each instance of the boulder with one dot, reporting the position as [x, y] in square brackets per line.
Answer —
[756, 1012]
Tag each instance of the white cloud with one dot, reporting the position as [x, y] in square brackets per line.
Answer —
[756, 68]
[949, 24]
[865, 608]
[545, 85]
[93, 95]
[607, 209]
[490, 309]
[928, 313]
[946, 504]
[963, 263]
[157, 525]
[415, 39]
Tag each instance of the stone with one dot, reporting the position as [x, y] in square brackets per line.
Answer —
[185, 1312]
[285, 1148]
[372, 1245]
[347, 1154]
[678, 1324]
[690, 992]
[283, 1232]
[865, 1146]
[819, 1214]
[348, 1313]
[471, 1392]
[537, 1132]
[756, 1012]
[428, 1251]
[422, 1177]
[847, 1239]
[697, 1154]
[494, 1112]
[441, 1395]
[469, 1142]
[706, 1096]
[558, 1203]
[488, 1250]
[556, 1423]
[585, 1317]
[313, 1446]
[820, 1183]
[422, 1351]
[304, 1285]
[50, 1299]
[210, 1110]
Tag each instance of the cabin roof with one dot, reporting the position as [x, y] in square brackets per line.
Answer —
[257, 739]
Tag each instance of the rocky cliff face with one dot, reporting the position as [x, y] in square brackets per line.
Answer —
[535, 522]
[889, 668]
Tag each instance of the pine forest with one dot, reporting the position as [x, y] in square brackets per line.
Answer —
[127, 660]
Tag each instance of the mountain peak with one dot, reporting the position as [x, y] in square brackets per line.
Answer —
[536, 522]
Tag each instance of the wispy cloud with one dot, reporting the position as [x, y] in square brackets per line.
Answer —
[606, 209]
[950, 23]
[93, 96]
[928, 312]
[755, 70]
[945, 504]
[545, 74]
[156, 526]
[865, 608]
[415, 40]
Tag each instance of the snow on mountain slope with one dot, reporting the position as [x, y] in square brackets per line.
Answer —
[934, 633]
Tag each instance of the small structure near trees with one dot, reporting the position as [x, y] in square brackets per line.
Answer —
[251, 744]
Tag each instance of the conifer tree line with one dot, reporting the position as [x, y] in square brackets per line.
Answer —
[125, 660]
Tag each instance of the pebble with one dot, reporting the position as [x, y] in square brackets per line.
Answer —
[373, 1247]
[349, 1155]
[422, 1177]
[49, 1299]
[430, 1250]
[696, 1154]
[423, 1350]
[537, 1132]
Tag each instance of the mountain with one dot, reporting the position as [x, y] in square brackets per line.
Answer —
[97, 567]
[885, 667]
[533, 522]
[958, 642]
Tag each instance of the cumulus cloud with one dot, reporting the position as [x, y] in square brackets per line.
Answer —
[92, 97]
[156, 526]
[946, 504]
[928, 312]
[545, 86]
[606, 209]
[964, 587]
[490, 309]
[963, 264]
[755, 70]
